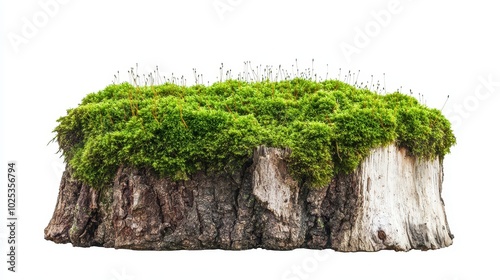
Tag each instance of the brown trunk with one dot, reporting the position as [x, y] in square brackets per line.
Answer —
[392, 201]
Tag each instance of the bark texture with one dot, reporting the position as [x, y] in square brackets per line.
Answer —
[392, 201]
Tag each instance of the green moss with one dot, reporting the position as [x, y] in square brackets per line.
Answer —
[330, 127]
[320, 223]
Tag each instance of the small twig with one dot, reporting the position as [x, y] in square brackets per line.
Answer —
[338, 153]
[182, 119]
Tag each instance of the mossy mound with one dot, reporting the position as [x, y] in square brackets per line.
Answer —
[176, 130]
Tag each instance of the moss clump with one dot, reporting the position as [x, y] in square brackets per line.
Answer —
[176, 130]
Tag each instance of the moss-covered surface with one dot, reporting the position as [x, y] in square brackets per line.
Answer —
[176, 130]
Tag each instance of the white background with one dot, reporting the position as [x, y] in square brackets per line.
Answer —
[436, 48]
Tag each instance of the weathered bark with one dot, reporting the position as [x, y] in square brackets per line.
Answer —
[392, 201]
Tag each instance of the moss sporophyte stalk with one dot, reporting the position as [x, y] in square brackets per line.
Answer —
[176, 130]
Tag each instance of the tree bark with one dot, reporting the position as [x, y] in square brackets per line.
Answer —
[391, 201]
